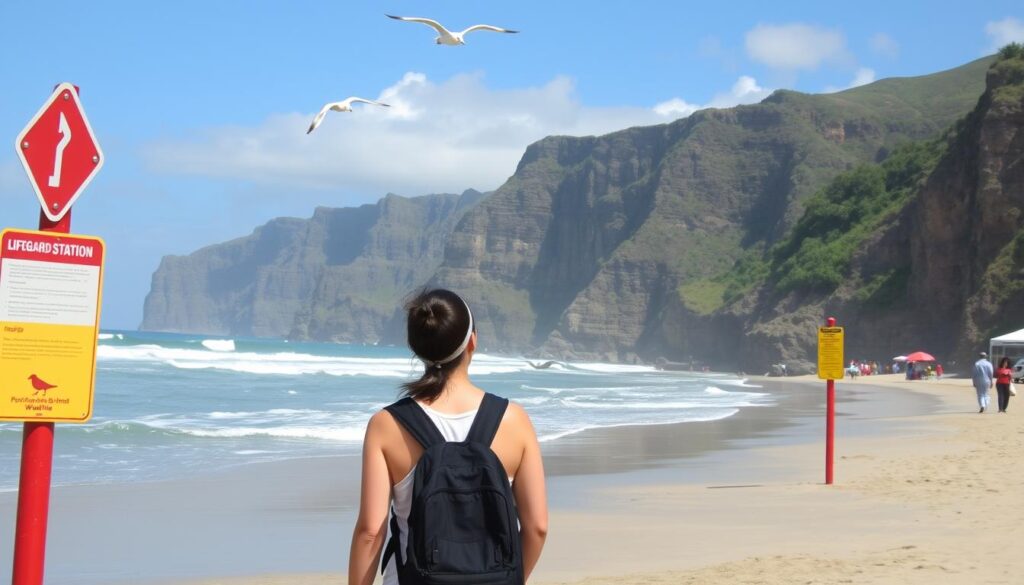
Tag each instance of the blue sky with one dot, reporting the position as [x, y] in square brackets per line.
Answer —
[201, 107]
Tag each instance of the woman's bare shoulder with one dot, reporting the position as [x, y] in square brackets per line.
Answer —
[516, 416]
[381, 424]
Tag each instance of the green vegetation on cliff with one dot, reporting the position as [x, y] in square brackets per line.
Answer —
[812, 219]
[838, 219]
[842, 225]
[705, 296]
[815, 255]
[924, 247]
[1005, 275]
[1010, 69]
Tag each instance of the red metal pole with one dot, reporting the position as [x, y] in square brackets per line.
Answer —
[34, 483]
[830, 420]
[33, 504]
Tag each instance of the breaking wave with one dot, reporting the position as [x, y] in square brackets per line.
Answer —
[219, 344]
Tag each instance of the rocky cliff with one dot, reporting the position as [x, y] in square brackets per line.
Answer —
[585, 248]
[967, 230]
[339, 275]
[922, 251]
[648, 242]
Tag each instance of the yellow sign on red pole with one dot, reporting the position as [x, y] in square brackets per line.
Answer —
[50, 288]
[830, 353]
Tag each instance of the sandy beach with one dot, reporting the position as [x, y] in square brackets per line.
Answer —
[930, 499]
[920, 497]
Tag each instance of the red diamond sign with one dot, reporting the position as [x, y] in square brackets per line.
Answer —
[59, 152]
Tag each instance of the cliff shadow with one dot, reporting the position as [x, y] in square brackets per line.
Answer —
[348, 233]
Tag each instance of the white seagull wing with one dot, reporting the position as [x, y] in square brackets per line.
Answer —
[427, 21]
[366, 101]
[341, 107]
[319, 117]
[488, 27]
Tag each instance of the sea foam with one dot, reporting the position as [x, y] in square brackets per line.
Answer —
[219, 344]
[292, 363]
[173, 404]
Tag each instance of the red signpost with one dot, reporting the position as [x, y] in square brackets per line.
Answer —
[830, 424]
[59, 152]
[60, 155]
[830, 368]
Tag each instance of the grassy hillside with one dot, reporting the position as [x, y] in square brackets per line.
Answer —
[924, 248]
[840, 218]
[813, 249]
[938, 97]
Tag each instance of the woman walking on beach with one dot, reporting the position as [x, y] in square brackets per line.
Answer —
[1004, 375]
[454, 518]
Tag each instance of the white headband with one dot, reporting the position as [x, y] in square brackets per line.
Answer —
[462, 346]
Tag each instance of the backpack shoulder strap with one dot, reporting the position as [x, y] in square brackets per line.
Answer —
[413, 419]
[488, 419]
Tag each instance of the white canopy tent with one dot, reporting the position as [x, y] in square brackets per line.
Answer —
[1011, 344]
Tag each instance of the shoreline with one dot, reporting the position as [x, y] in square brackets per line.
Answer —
[894, 516]
[592, 492]
[929, 500]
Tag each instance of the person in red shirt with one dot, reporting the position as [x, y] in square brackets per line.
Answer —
[938, 370]
[1003, 379]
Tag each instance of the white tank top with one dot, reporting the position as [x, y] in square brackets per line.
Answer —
[454, 428]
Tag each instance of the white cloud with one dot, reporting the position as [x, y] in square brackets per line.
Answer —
[863, 76]
[1003, 32]
[884, 45]
[795, 46]
[744, 91]
[436, 137]
[675, 108]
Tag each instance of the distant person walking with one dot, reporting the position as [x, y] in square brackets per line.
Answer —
[938, 371]
[982, 378]
[1004, 375]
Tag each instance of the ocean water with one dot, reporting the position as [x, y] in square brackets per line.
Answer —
[172, 405]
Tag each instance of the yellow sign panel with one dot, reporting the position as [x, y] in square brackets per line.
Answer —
[50, 287]
[830, 353]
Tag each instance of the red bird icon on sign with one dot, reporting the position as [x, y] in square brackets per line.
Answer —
[40, 385]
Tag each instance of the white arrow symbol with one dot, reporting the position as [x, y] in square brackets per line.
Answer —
[65, 132]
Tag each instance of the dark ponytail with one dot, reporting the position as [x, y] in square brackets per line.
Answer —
[438, 322]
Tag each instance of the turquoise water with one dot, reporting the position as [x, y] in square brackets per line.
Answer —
[172, 405]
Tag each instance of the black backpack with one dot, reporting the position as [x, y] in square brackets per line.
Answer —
[463, 524]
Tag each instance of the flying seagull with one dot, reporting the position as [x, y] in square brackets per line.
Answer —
[344, 105]
[447, 37]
